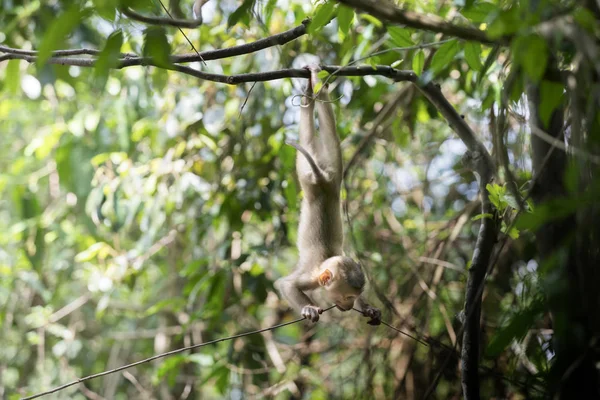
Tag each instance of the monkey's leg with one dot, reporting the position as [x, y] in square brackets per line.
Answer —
[329, 156]
[307, 138]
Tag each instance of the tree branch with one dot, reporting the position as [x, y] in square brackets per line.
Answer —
[129, 59]
[469, 355]
[388, 12]
[57, 53]
[178, 23]
[278, 39]
[484, 167]
[381, 70]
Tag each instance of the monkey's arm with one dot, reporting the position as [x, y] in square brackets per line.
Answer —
[292, 287]
[369, 311]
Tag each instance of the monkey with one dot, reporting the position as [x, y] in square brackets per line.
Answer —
[322, 263]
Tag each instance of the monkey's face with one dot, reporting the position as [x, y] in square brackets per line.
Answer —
[340, 276]
[342, 294]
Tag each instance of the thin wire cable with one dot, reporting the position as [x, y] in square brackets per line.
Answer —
[396, 329]
[168, 353]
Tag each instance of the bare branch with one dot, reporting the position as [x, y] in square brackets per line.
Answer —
[178, 23]
[483, 165]
[381, 70]
[469, 357]
[499, 129]
[58, 53]
[386, 11]
[129, 59]
[260, 44]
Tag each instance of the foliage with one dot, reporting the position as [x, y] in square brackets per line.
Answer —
[143, 209]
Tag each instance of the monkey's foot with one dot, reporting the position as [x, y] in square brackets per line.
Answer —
[312, 67]
[311, 312]
[314, 77]
[374, 314]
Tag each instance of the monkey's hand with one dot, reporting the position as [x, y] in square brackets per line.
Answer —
[374, 314]
[311, 312]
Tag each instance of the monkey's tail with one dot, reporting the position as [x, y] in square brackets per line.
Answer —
[313, 165]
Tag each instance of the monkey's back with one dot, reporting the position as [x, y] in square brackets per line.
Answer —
[320, 232]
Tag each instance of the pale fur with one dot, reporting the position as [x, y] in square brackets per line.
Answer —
[320, 231]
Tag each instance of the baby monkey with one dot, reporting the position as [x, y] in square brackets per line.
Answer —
[322, 263]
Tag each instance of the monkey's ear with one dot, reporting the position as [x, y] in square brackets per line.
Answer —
[325, 277]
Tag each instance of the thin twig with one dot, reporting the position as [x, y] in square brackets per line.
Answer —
[246, 99]
[387, 11]
[183, 33]
[129, 59]
[169, 21]
[58, 53]
[396, 49]
[546, 137]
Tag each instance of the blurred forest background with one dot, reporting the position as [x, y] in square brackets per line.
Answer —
[143, 209]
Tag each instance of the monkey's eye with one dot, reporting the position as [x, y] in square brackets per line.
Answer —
[350, 298]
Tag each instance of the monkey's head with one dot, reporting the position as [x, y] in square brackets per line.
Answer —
[343, 281]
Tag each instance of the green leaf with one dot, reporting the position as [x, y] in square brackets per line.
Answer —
[345, 17]
[517, 88]
[496, 194]
[323, 15]
[157, 46]
[106, 8]
[515, 330]
[401, 133]
[168, 368]
[489, 99]
[109, 55]
[444, 55]
[481, 216]
[400, 36]
[506, 22]
[473, 55]
[418, 62]
[268, 10]
[171, 304]
[13, 76]
[222, 380]
[58, 30]
[533, 220]
[510, 200]
[571, 178]
[242, 14]
[586, 19]
[531, 52]
[322, 75]
[551, 95]
[396, 63]
[513, 233]
[479, 12]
